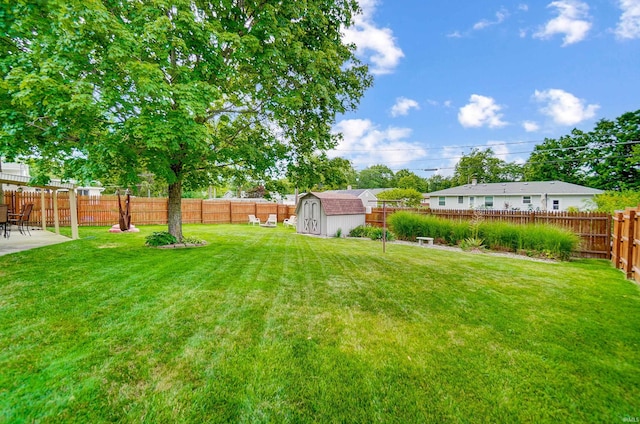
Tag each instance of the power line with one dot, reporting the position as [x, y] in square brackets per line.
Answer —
[452, 146]
[549, 161]
[555, 149]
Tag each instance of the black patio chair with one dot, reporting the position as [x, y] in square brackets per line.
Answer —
[22, 218]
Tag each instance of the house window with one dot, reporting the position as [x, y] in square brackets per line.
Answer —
[441, 201]
[471, 201]
[83, 192]
[556, 205]
[526, 200]
[460, 200]
[488, 201]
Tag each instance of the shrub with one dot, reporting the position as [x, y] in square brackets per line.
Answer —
[192, 240]
[160, 238]
[374, 233]
[359, 231]
[612, 201]
[408, 196]
[472, 243]
[546, 240]
[408, 226]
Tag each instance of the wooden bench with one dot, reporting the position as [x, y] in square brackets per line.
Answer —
[421, 241]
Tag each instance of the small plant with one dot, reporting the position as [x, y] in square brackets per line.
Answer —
[472, 243]
[359, 231]
[374, 233]
[339, 233]
[160, 238]
[192, 240]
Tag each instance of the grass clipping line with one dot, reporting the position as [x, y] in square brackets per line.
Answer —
[266, 326]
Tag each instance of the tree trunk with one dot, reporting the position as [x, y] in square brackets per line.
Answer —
[175, 210]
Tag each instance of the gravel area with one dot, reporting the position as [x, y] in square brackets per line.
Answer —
[479, 252]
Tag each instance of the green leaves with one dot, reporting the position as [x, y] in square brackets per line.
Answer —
[180, 89]
[603, 158]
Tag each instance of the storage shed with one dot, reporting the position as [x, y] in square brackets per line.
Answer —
[325, 213]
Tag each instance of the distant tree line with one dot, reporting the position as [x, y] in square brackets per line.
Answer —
[606, 158]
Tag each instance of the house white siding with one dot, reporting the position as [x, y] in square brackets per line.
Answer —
[541, 196]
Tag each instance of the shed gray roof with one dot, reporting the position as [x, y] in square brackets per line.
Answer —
[519, 188]
[338, 203]
[356, 192]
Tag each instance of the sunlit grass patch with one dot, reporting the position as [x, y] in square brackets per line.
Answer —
[267, 325]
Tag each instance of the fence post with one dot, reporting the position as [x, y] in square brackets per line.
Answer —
[618, 218]
[630, 242]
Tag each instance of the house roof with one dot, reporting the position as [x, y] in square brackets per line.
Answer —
[356, 192]
[338, 203]
[519, 188]
[26, 181]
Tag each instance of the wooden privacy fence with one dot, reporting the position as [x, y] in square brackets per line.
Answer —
[593, 228]
[625, 253]
[103, 210]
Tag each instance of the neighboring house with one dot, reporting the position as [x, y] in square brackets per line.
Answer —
[533, 195]
[22, 170]
[367, 196]
[89, 191]
[327, 213]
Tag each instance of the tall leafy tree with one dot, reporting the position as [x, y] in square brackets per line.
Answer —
[438, 182]
[405, 196]
[605, 158]
[559, 160]
[407, 179]
[483, 166]
[188, 90]
[376, 176]
[318, 172]
[610, 154]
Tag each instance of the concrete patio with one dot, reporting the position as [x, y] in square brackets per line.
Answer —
[18, 242]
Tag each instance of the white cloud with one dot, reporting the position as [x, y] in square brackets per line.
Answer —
[375, 44]
[481, 111]
[523, 7]
[530, 126]
[365, 144]
[572, 21]
[502, 151]
[501, 15]
[403, 106]
[629, 25]
[563, 107]
[454, 34]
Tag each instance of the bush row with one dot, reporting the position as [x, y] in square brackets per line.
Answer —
[374, 233]
[535, 239]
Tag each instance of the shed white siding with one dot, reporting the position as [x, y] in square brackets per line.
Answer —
[326, 213]
[344, 223]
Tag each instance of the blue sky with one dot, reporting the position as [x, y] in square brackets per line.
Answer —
[453, 75]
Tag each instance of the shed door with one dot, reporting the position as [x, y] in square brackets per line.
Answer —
[311, 216]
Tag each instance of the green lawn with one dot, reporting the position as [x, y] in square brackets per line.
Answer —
[264, 325]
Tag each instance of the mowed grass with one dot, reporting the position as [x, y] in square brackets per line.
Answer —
[264, 325]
